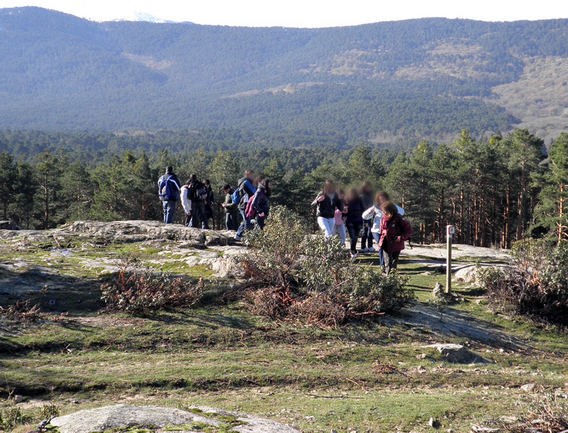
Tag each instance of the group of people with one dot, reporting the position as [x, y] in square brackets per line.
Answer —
[196, 198]
[359, 213]
[251, 200]
[362, 215]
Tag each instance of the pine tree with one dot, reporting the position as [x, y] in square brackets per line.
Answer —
[552, 211]
[443, 177]
[419, 190]
[8, 178]
[77, 192]
[224, 169]
[524, 158]
[143, 189]
[49, 170]
[397, 180]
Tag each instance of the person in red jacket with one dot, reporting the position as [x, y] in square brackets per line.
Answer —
[395, 230]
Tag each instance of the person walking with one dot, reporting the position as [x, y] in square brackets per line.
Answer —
[354, 207]
[367, 236]
[260, 202]
[395, 231]
[197, 194]
[209, 200]
[339, 228]
[245, 191]
[326, 203]
[168, 191]
[375, 216]
[231, 210]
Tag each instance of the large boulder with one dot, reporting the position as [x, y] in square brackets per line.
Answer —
[155, 418]
[456, 353]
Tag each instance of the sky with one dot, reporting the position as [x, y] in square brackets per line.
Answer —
[301, 13]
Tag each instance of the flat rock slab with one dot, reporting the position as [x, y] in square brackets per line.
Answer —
[155, 418]
[456, 353]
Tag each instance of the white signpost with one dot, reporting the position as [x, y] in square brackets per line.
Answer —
[450, 231]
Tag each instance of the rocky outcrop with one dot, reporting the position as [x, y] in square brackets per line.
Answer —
[137, 231]
[156, 418]
[125, 232]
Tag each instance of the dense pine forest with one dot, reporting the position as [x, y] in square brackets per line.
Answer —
[495, 191]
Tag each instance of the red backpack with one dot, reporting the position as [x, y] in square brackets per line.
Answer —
[250, 212]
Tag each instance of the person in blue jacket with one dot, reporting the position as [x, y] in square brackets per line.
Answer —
[169, 188]
[246, 190]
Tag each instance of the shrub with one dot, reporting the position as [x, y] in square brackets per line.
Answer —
[535, 285]
[319, 309]
[276, 250]
[10, 417]
[371, 291]
[139, 291]
[22, 311]
[269, 302]
[296, 276]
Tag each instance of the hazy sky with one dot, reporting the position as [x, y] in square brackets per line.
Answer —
[302, 13]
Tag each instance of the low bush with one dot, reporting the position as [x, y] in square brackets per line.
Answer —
[140, 291]
[23, 311]
[535, 285]
[296, 276]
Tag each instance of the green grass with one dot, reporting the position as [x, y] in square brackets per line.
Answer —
[365, 376]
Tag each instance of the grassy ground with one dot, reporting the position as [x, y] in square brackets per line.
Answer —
[364, 377]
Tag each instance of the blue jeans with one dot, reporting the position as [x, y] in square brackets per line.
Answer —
[245, 225]
[327, 226]
[377, 238]
[169, 210]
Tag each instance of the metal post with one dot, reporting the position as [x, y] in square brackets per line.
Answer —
[450, 230]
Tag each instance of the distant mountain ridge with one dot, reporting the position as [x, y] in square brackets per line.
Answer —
[386, 82]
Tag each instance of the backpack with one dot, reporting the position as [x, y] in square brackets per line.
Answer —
[164, 190]
[196, 191]
[236, 196]
[239, 193]
[250, 211]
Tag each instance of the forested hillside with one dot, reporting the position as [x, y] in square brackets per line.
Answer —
[386, 83]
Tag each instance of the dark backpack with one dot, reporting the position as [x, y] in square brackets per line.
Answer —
[196, 191]
[164, 189]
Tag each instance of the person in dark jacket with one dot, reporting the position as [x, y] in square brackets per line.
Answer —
[246, 190]
[395, 231]
[231, 210]
[209, 200]
[261, 200]
[367, 236]
[354, 207]
[326, 203]
[169, 202]
[197, 195]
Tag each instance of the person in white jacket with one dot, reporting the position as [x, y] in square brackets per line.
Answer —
[185, 203]
[376, 214]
